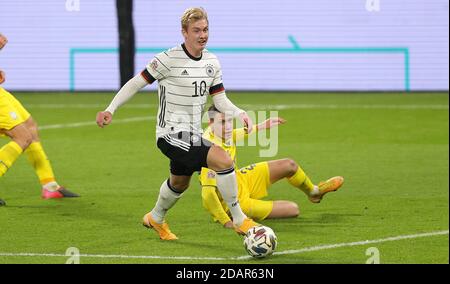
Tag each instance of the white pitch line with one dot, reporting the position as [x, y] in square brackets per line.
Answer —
[336, 106]
[366, 242]
[112, 256]
[299, 251]
[250, 107]
[85, 106]
[262, 107]
[92, 123]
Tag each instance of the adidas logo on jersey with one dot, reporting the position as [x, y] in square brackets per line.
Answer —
[185, 72]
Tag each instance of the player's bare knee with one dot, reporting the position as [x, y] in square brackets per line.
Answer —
[221, 161]
[226, 163]
[290, 166]
[32, 127]
[24, 141]
[30, 123]
[21, 135]
[27, 141]
[294, 210]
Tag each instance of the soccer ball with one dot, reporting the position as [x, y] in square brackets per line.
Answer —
[260, 241]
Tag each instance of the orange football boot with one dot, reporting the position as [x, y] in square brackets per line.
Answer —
[330, 185]
[162, 229]
[245, 226]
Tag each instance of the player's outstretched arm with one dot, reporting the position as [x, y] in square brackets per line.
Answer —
[269, 123]
[241, 133]
[125, 93]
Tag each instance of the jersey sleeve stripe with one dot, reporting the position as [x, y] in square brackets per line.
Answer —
[216, 89]
[147, 76]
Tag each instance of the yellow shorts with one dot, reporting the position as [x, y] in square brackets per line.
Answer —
[12, 113]
[254, 180]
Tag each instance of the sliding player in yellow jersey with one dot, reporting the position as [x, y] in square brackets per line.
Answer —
[254, 180]
[17, 123]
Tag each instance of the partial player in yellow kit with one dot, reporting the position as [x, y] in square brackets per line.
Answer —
[254, 180]
[17, 124]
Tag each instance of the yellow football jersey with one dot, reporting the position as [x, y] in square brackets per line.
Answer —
[12, 113]
[252, 181]
[229, 147]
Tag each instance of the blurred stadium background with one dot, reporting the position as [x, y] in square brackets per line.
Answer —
[353, 45]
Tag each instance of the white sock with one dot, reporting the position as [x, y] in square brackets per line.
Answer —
[166, 200]
[51, 186]
[315, 191]
[227, 185]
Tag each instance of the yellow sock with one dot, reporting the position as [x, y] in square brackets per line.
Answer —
[40, 163]
[8, 155]
[301, 181]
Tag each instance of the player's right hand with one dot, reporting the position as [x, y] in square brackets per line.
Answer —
[247, 122]
[3, 41]
[2, 77]
[103, 118]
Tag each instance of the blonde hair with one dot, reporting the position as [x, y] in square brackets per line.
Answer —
[193, 15]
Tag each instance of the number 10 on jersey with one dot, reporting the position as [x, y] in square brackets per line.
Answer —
[200, 89]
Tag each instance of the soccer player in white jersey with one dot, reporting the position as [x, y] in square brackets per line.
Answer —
[186, 75]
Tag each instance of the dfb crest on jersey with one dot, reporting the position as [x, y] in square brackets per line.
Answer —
[210, 70]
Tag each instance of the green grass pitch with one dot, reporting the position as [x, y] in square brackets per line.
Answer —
[392, 149]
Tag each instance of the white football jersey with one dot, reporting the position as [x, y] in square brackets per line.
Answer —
[184, 83]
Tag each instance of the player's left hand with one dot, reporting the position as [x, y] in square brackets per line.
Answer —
[229, 225]
[247, 121]
[271, 122]
[3, 41]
